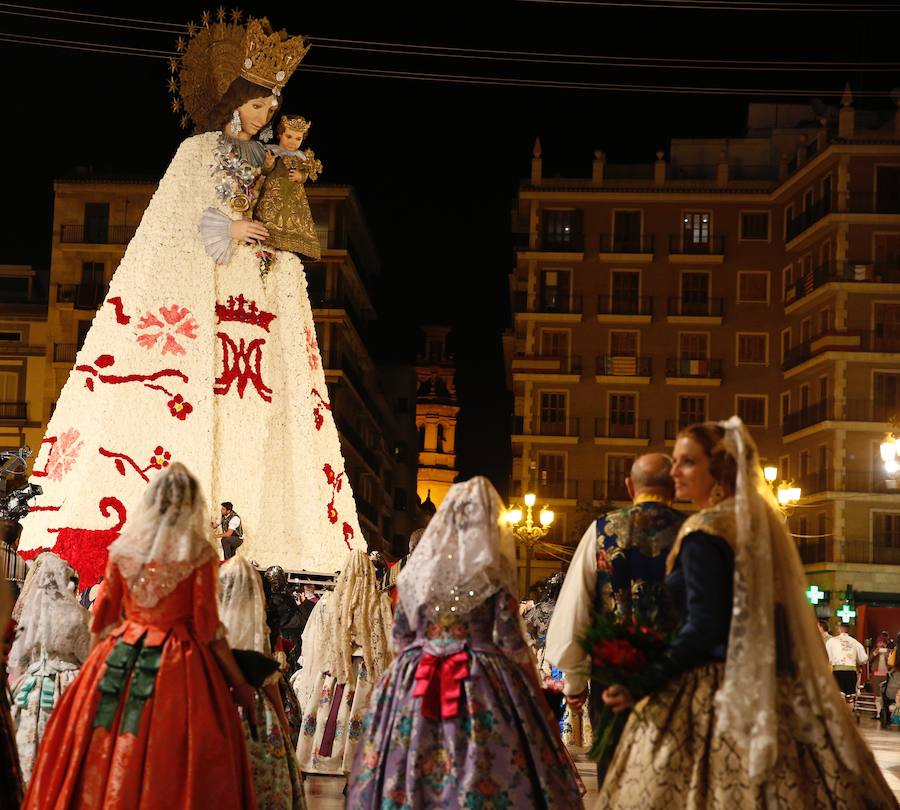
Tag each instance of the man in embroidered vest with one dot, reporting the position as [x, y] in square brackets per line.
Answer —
[619, 553]
[232, 532]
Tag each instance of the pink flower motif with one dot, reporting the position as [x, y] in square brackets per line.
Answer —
[64, 453]
[312, 348]
[176, 322]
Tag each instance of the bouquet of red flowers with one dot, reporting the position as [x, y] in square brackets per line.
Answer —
[624, 651]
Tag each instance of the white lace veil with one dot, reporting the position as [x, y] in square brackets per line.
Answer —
[466, 555]
[166, 538]
[769, 580]
[51, 621]
[312, 660]
[358, 617]
[242, 606]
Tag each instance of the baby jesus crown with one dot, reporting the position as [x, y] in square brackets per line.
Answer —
[270, 59]
[296, 122]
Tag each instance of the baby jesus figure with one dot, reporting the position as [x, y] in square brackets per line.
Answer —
[282, 206]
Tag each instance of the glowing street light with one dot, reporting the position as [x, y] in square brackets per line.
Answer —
[770, 473]
[528, 532]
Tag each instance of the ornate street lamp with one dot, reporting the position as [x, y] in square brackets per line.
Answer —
[526, 531]
[786, 493]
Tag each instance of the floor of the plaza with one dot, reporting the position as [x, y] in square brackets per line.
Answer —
[326, 793]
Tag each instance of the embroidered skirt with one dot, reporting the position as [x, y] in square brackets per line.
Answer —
[669, 756]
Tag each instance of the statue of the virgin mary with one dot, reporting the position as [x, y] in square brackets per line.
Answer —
[196, 355]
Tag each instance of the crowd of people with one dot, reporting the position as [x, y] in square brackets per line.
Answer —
[194, 681]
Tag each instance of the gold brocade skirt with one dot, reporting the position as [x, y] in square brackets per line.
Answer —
[670, 759]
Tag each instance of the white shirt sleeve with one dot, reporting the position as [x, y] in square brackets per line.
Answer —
[572, 615]
[861, 655]
[234, 523]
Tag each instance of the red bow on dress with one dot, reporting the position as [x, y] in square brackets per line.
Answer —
[439, 683]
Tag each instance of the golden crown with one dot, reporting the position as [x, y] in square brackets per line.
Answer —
[271, 59]
[217, 51]
[295, 122]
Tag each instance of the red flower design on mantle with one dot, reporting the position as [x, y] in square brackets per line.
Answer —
[336, 482]
[318, 418]
[179, 408]
[176, 323]
[160, 458]
[86, 549]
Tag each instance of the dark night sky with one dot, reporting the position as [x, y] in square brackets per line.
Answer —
[435, 165]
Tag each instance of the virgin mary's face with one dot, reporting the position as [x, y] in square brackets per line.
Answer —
[255, 114]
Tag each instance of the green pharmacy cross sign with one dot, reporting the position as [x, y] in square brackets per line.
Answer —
[814, 594]
[846, 613]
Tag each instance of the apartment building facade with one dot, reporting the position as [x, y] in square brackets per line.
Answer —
[757, 276]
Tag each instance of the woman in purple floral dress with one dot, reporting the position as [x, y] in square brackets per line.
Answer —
[459, 720]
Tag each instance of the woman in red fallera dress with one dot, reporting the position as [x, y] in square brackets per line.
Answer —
[150, 722]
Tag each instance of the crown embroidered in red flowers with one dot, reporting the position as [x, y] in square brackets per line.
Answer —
[244, 311]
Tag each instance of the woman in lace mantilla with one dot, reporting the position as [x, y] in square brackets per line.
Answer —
[458, 720]
[150, 721]
[242, 609]
[52, 642]
[749, 716]
[346, 658]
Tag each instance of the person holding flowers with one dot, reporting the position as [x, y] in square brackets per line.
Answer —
[744, 712]
[621, 553]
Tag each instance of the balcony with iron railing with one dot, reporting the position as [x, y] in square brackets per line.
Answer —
[708, 368]
[548, 304]
[873, 202]
[615, 243]
[619, 366]
[806, 219]
[96, 234]
[638, 305]
[358, 444]
[64, 352]
[567, 428]
[572, 242]
[87, 296]
[366, 510]
[881, 551]
[849, 271]
[546, 489]
[695, 307]
[621, 426]
[547, 364]
[13, 348]
[611, 491]
[13, 411]
[842, 480]
[845, 410]
[684, 245]
[857, 340]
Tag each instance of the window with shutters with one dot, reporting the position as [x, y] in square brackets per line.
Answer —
[9, 386]
[623, 343]
[886, 529]
[552, 475]
[626, 287]
[785, 343]
[752, 348]
[752, 410]
[555, 343]
[753, 288]
[691, 408]
[785, 405]
[695, 293]
[696, 228]
[886, 395]
[693, 345]
[754, 226]
[622, 415]
[618, 469]
[555, 289]
[553, 412]
[562, 230]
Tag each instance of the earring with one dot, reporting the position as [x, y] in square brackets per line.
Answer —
[717, 494]
[265, 134]
[235, 122]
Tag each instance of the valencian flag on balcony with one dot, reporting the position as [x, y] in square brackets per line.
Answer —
[621, 366]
